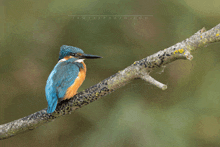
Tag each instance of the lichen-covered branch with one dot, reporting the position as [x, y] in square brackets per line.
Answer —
[139, 69]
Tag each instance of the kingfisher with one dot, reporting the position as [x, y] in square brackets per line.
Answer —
[67, 75]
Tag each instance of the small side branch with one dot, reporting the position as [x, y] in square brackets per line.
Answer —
[139, 69]
[151, 80]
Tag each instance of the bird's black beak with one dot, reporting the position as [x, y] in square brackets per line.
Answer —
[88, 56]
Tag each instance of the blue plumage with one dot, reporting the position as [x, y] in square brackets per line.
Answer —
[64, 74]
[66, 50]
[61, 78]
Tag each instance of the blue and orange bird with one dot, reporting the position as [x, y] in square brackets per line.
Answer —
[67, 75]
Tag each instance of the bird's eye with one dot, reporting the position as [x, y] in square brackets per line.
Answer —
[73, 54]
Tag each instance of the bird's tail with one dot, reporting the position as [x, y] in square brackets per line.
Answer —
[52, 106]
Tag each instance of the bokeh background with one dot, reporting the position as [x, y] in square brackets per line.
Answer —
[187, 114]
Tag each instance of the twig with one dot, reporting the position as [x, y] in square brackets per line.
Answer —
[139, 69]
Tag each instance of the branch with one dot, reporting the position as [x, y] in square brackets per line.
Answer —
[139, 69]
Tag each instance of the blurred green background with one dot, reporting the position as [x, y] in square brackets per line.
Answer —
[187, 114]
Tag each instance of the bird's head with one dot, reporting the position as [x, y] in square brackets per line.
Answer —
[74, 52]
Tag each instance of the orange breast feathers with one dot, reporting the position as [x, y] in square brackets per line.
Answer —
[72, 90]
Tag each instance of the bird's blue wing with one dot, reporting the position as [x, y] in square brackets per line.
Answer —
[60, 79]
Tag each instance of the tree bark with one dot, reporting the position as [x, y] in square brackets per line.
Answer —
[139, 69]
